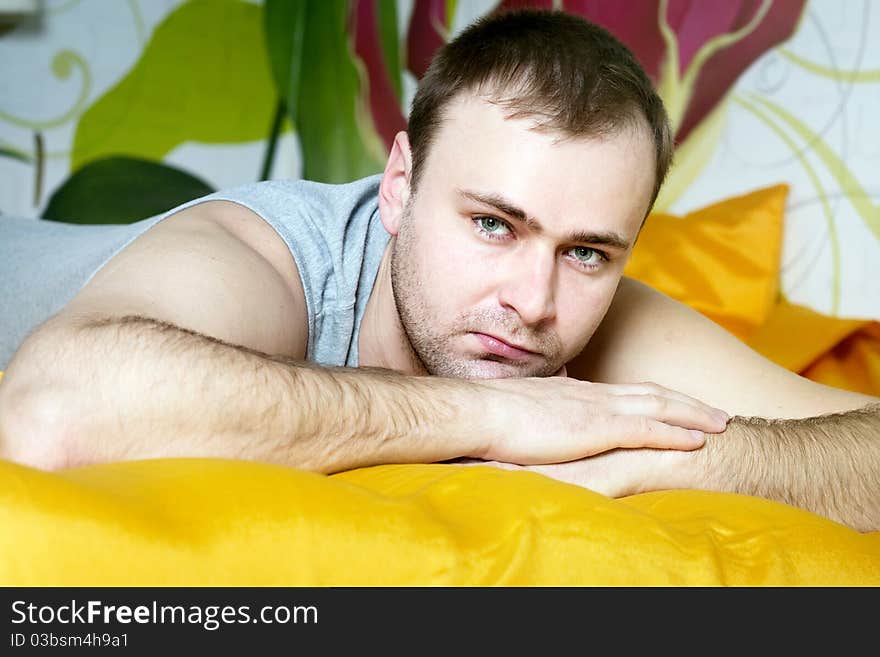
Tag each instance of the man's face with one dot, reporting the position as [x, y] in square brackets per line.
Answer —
[510, 252]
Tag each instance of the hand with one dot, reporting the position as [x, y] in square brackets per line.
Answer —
[615, 473]
[533, 421]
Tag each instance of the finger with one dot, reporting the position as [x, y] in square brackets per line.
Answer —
[670, 411]
[495, 464]
[651, 388]
[639, 431]
[503, 465]
[720, 418]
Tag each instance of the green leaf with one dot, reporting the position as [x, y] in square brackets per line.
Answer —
[322, 83]
[204, 76]
[391, 44]
[285, 24]
[14, 154]
[121, 190]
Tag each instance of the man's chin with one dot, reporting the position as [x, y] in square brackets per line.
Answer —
[490, 368]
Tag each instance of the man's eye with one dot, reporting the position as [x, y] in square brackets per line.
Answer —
[491, 225]
[584, 255]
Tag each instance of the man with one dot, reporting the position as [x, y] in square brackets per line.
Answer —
[295, 323]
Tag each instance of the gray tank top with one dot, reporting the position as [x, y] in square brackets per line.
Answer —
[333, 232]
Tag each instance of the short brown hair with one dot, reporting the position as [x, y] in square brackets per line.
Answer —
[573, 76]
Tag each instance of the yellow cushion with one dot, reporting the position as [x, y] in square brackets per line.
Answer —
[795, 336]
[722, 260]
[852, 364]
[207, 522]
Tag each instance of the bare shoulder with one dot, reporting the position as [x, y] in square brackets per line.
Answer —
[216, 268]
[648, 336]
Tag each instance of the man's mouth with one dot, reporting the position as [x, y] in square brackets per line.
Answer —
[499, 347]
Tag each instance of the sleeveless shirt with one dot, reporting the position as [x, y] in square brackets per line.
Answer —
[333, 232]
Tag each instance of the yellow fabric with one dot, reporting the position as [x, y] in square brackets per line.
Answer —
[722, 260]
[844, 353]
[794, 336]
[207, 522]
[853, 364]
[183, 522]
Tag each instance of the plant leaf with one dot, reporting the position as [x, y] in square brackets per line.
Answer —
[327, 99]
[284, 25]
[204, 76]
[15, 155]
[390, 44]
[122, 190]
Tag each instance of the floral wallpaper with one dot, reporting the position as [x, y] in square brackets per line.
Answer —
[114, 111]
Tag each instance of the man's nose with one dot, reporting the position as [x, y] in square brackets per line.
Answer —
[529, 288]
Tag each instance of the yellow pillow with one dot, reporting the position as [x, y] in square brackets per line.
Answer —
[208, 522]
[722, 260]
[853, 364]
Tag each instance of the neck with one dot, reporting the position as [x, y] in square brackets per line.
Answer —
[382, 341]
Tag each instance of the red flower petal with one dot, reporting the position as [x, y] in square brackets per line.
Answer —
[694, 22]
[423, 38]
[634, 23]
[722, 70]
[384, 106]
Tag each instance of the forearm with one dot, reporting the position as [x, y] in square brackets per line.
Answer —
[138, 388]
[829, 464]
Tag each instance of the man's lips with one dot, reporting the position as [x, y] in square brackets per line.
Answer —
[499, 347]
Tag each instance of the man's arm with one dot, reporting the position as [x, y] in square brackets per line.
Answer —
[790, 439]
[176, 392]
[828, 464]
[647, 335]
[192, 340]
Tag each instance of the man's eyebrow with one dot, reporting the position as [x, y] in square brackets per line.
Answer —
[607, 238]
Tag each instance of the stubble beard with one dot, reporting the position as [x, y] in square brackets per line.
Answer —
[431, 341]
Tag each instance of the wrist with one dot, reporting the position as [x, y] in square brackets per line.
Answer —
[489, 417]
[419, 418]
[676, 469]
[480, 417]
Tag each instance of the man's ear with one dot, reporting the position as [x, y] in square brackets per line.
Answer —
[394, 188]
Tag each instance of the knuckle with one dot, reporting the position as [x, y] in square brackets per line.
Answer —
[645, 426]
[659, 402]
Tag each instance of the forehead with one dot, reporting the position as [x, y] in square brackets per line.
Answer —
[574, 183]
